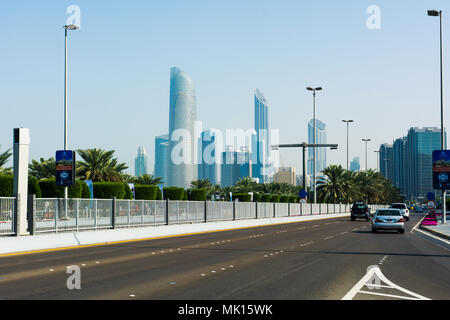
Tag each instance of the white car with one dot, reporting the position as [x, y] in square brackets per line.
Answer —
[403, 209]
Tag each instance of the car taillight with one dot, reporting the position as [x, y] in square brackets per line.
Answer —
[367, 210]
[378, 220]
[401, 220]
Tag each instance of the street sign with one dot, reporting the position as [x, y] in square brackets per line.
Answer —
[303, 194]
[65, 168]
[441, 169]
[430, 205]
[431, 196]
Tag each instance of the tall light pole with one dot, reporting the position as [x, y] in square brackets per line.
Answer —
[314, 137]
[347, 121]
[378, 160]
[66, 29]
[438, 13]
[366, 140]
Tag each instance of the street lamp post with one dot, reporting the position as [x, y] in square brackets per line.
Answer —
[438, 13]
[314, 137]
[347, 122]
[366, 140]
[66, 29]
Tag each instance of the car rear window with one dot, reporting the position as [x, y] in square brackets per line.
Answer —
[398, 206]
[388, 213]
[359, 206]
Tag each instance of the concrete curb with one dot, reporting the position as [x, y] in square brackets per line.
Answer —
[436, 233]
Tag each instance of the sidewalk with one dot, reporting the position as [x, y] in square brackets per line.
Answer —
[441, 230]
[44, 242]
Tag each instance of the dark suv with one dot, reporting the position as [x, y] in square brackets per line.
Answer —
[360, 210]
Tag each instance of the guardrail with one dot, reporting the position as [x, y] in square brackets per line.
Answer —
[7, 211]
[63, 215]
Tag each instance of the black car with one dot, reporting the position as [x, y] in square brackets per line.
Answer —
[360, 210]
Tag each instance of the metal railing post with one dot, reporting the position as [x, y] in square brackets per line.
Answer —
[234, 210]
[289, 209]
[32, 214]
[142, 212]
[16, 214]
[129, 213]
[113, 213]
[256, 210]
[77, 213]
[95, 215]
[167, 212]
[274, 209]
[205, 216]
[56, 214]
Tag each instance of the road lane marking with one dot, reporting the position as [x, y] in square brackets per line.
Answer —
[388, 295]
[374, 274]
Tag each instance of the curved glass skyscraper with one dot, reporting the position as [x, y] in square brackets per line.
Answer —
[181, 168]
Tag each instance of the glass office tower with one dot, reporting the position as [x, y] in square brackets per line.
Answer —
[161, 158]
[141, 163]
[321, 153]
[354, 164]
[181, 169]
[261, 143]
[209, 168]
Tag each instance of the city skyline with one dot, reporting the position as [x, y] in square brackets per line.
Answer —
[97, 91]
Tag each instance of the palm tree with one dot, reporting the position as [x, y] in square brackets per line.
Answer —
[100, 165]
[43, 169]
[334, 186]
[148, 179]
[4, 157]
[245, 185]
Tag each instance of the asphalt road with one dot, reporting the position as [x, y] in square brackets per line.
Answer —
[309, 260]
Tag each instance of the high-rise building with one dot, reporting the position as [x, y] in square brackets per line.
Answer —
[387, 161]
[321, 153]
[209, 168]
[285, 175]
[161, 157]
[181, 169]
[399, 164]
[235, 165]
[261, 143]
[354, 164]
[141, 163]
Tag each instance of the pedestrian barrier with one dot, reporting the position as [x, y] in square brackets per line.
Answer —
[64, 215]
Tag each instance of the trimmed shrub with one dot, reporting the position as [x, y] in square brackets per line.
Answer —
[6, 185]
[196, 195]
[284, 198]
[294, 199]
[185, 196]
[145, 192]
[174, 193]
[266, 197]
[85, 192]
[257, 197]
[159, 194]
[49, 189]
[276, 198]
[108, 190]
[128, 195]
[243, 197]
[33, 187]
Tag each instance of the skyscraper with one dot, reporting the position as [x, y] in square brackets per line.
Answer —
[181, 168]
[161, 157]
[354, 165]
[141, 163]
[321, 153]
[209, 168]
[261, 143]
[235, 165]
[387, 161]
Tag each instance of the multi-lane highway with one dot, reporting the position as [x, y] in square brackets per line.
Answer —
[326, 259]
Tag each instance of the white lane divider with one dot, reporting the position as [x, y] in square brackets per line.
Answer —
[373, 279]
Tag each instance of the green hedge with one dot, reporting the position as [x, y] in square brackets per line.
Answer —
[49, 189]
[276, 198]
[33, 187]
[243, 197]
[294, 199]
[85, 192]
[159, 194]
[128, 195]
[108, 190]
[266, 197]
[257, 197]
[284, 199]
[174, 193]
[6, 185]
[145, 192]
[196, 195]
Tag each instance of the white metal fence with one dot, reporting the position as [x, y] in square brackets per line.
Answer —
[7, 215]
[59, 215]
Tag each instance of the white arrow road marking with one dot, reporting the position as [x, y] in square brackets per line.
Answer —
[370, 280]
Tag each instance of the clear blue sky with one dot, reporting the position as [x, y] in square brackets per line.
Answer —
[386, 80]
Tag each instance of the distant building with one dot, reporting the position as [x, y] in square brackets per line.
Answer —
[299, 180]
[261, 143]
[387, 161]
[285, 175]
[354, 164]
[161, 157]
[235, 165]
[141, 163]
[321, 153]
[209, 168]
[182, 115]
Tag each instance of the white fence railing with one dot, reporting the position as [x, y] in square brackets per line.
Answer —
[59, 215]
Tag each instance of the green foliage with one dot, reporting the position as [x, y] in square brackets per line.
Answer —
[6, 185]
[85, 192]
[145, 192]
[128, 195]
[108, 190]
[266, 197]
[275, 198]
[294, 199]
[284, 198]
[243, 197]
[50, 190]
[99, 165]
[174, 193]
[148, 179]
[257, 197]
[44, 169]
[4, 157]
[33, 187]
[159, 194]
[196, 195]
